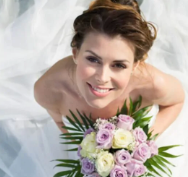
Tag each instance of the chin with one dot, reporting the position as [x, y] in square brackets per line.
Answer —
[97, 104]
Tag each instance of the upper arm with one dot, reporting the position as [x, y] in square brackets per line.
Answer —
[56, 115]
[47, 101]
[49, 97]
[46, 97]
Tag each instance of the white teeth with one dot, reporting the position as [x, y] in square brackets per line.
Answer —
[100, 90]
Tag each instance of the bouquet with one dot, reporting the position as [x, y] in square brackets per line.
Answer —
[121, 146]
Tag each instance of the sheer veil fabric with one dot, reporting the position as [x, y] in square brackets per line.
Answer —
[35, 34]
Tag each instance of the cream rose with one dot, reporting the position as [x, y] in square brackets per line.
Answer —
[89, 146]
[123, 139]
[104, 163]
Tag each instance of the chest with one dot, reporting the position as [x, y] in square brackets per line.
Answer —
[75, 103]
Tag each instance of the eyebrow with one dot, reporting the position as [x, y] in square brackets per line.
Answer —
[125, 60]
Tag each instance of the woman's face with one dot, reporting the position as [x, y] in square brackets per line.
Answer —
[104, 66]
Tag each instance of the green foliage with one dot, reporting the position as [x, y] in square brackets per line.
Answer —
[74, 165]
[160, 163]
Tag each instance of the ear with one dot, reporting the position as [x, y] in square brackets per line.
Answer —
[92, 3]
[135, 65]
[75, 54]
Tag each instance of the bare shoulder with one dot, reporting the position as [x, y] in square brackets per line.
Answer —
[49, 88]
[162, 88]
[55, 72]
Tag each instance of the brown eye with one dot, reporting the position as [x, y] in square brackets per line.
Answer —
[118, 65]
[92, 59]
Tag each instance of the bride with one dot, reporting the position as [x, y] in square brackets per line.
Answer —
[107, 66]
[109, 47]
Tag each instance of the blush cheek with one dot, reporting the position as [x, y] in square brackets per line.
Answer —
[122, 83]
[85, 72]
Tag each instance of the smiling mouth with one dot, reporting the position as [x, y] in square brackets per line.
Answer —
[99, 89]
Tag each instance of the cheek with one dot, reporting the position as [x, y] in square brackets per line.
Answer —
[123, 81]
[84, 72]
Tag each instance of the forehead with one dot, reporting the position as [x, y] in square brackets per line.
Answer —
[106, 45]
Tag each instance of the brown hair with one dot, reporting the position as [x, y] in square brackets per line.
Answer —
[116, 17]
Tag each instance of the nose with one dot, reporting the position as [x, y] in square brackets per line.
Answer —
[103, 75]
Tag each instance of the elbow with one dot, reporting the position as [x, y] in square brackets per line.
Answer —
[38, 92]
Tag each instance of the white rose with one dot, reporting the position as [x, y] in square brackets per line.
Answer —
[122, 139]
[104, 163]
[89, 146]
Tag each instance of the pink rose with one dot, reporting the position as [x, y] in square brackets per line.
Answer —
[88, 167]
[135, 168]
[104, 139]
[88, 131]
[142, 152]
[122, 157]
[153, 147]
[108, 126]
[118, 171]
[125, 122]
[139, 135]
[78, 152]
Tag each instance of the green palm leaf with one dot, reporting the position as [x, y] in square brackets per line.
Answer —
[141, 113]
[73, 138]
[71, 134]
[156, 165]
[77, 121]
[63, 173]
[118, 112]
[124, 108]
[149, 175]
[165, 154]
[164, 160]
[137, 104]
[142, 122]
[150, 168]
[78, 173]
[165, 148]
[70, 128]
[149, 134]
[65, 165]
[83, 119]
[74, 149]
[89, 120]
[71, 174]
[146, 129]
[72, 142]
[67, 161]
[154, 137]
[159, 161]
[73, 123]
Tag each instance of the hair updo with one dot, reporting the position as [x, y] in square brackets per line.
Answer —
[116, 17]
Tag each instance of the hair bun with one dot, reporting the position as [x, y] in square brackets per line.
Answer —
[132, 3]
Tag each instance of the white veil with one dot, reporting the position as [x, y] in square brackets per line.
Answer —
[35, 34]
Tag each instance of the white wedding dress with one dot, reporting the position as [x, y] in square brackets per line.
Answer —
[35, 34]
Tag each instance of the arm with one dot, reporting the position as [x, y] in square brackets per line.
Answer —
[166, 116]
[169, 95]
[50, 101]
[58, 120]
